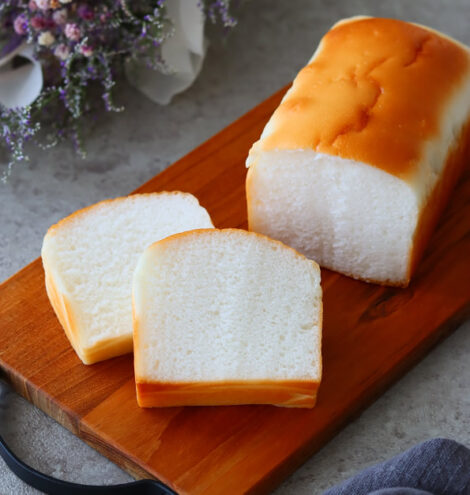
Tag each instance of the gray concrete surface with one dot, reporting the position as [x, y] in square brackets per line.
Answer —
[272, 42]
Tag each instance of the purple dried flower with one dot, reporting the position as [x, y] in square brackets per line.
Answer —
[32, 5]
[43, 4]
[62, 51]
[72, 31]
[86, 50]
[20, 24]
[60, 17]
[85, 12]
[221, 8]
[39, 22]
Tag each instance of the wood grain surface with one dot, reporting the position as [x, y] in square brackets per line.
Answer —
[372, 335]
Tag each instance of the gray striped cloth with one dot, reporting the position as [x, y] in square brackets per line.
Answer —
[435, 467]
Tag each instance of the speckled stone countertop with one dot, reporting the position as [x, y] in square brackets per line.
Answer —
[272, 42]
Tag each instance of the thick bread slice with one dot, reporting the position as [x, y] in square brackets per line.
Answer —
[356, 164]
[226, 317]
[90, 256]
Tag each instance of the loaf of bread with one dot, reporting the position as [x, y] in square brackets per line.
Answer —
[90, 256]
[356, 164]
[226, 317]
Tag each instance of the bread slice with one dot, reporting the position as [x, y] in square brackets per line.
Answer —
[356, 164]
[226, 317]
[90, 256]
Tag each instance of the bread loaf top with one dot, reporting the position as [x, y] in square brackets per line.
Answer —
[376, 91]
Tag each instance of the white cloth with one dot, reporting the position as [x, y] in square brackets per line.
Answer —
[22, 85]
[183, 52]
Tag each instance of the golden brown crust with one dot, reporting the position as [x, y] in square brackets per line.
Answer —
[457, 159]
[286, 393]
[250, 193]
[104, 349]
[63, 311]
[375, 92]
[107, 349]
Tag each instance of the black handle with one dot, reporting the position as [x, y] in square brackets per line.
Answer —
[52, 486]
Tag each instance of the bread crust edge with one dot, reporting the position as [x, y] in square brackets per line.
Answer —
[285, 393]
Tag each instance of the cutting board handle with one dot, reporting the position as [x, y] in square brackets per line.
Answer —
[53, 486]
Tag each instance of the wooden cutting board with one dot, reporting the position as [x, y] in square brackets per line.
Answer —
[372, 335]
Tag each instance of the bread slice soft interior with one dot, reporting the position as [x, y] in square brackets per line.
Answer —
[226, 317]
[90, 256]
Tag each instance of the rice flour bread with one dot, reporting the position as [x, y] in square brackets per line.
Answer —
[356, 164]
[226, 317]
[90, 256]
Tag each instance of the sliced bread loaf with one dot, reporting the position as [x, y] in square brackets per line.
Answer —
[356, 164]
[226, 317]
[90, 256]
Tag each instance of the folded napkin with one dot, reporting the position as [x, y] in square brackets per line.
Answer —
[435, 467]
